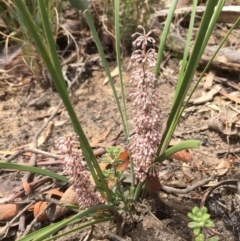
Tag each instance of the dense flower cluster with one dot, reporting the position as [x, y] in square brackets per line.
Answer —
[76, 167]
[147, 117]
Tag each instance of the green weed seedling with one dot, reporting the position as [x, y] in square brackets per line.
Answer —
[200, 220]
[115, 177]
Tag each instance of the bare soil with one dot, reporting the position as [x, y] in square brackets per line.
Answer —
[97, 112]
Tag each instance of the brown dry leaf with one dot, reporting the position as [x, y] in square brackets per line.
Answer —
[211, 161]
[54, 192]
[31, 208]
[213, 107]
[97, 140]
[222, 167]
[114, 73]
[230, 97]
[209, 80]
[45, 134]
[153, 185]
[60, 123]
[208, 96]
[211, 183]
[124, 156]
[38, 207]
[221, 59]
[69, 197]
[7, 153]
[225, 122]
[184, 156]
[9, 211]
[27, 188]
[186, 169]
[183, 3]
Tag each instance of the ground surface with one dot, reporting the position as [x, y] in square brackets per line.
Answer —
[25, 106]
[98, 113]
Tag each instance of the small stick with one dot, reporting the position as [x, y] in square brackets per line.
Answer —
[33, 160]
[188, 189]
[115, 236]
[97, 152]
[33, 150]
[33, 184]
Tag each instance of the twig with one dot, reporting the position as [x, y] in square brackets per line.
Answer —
[188, 189]
[49, 163]
[21, 225]
[210, 191]
[13, 156]
[35, 141]
[115, 236]
[33, 150]
[97, 152]
[33, 184]
[44, 153]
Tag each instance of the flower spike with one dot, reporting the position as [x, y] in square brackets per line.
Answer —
[143, 144]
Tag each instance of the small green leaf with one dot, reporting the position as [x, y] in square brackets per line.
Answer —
[213, 239]
[196, 231]
[205, 217]
[190, 215]
[107, 161]
[195, 210]
[209, 224]
[199, 215]
[109, 149]
[200, 237]
[204, 210]
[193, 225]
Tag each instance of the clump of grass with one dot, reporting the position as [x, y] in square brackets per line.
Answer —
[131, 14]
[16, 34]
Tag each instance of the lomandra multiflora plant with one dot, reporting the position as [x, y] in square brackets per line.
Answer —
[143, 144]
[147, 114]
[77, 169]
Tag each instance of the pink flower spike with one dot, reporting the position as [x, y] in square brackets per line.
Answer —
[76, 168]
[147, 118]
